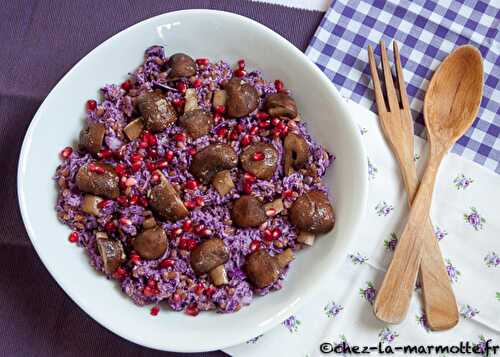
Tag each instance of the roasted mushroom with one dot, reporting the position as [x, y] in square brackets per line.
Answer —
[223, 182]
[281, 105]
[248, 211]
[134, 129]
[151, 243]
[242, 98]
[90, 204]
[209, 257]
[157, 113]
[111, 252]
[212, 159]
[166, 202]
[260, 159]
[263, 269]
[312, 213]
[306, 238]
[197, 123]
[274, 207]
[181, 65]
[98, 179]
[296, 153]
[219, 98]
[191, 100]
[91, 138]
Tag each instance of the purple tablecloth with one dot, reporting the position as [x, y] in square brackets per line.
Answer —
[41, 41]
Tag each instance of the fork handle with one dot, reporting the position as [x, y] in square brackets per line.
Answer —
[440, 305]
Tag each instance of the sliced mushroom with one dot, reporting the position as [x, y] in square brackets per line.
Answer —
[223, 182]
[263, 269]
[134, 129]
[276, 206]
[191, 100]
[219, 98]
[197, 123]
[157, 113]
[111, 252]
[181, 65]
[91, 137]
[151, 243]
[90, 204]
[166, 202]
[296, 153]
[248, 211]
[281, 105]
[209, 257]
[313, 213]
[306, 238]
[242, 98]
[97, 183]
[212, 159]
[262, 167]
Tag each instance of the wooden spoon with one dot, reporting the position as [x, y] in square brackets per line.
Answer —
[451, 105]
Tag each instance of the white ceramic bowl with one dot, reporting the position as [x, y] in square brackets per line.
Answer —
[200, 33]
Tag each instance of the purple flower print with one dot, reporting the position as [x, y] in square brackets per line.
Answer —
[416, 157]
[357, 258]
[482, 345]
[474, 219]
[372, 170]
[422, 321]
[332, 309]
[461, 182]
[254, 340]
[387, 335]
[390, 244]
[363, 130]
[498, 296]
[453, 273]
[383, 209]
[468, 312]
[292, 324]
[440, 233]
[368, 293]
[492, 260]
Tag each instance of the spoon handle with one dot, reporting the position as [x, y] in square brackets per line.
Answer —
[393, 298]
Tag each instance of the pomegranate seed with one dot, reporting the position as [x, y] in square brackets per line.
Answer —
[120, 169]
[247, 139]
[275, 121]
[122, 200]
[143, 201]
[247, 187]
[206, 232]
[147, 291]
[218, 118]
[169, 156]
[267, 235]
[265, 124]
[120, 273]
[136, 157]
[155, 177]
[222, 132]
[241, 64]
[105, 154]
[150, 139]
[73, 237]
[281, 126]
[177, 232]
[66, 152]
[287, 194]
[210, 291]
[179, 103]
[197, 83]
[151, 166]
[240, 128]
[254, 130]
[134, 199]
[192, 151]
[91, 104]
[199, 201]
[249, 178]
[94, 168]
[262, 115]
[177, 298]
[199, 289]
[122, 182]
[136, 166]
[104, 204]
[155, 310]
[191, 184]
[279, 85]
[135, 258]
[190, 204]
[284, 131]
[192, 310]
[270, 212]
[233, 135]
[202, 61]
[276, 132]
[239, 73]
[181, 87]
[167, 263]
[161, 164]
[258, 156]
[110, 226]
[254, 245]
[126, 85]
[125, 221]
[151, 283]
[187, 225]
[143, 144]
[276, 233]
[220, 109]
[181, 137]
[152, 153]
[187, 243]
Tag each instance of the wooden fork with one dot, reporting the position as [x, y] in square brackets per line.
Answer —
[395, 119]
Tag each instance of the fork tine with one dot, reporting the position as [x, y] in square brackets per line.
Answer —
[399, 74]
[377, 87]
[392, 96]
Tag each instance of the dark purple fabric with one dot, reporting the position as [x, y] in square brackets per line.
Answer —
[40, 41]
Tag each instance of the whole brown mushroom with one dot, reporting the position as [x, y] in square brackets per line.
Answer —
[263, 269]
[91, 138]
[197, 123]
[313, 213]
[181, 65]
[98, 179]
[209, 257]
[260, 159]
[248, 211]
[157, 112]
[242, 98]
[212, 159]
[281, 105]
[165, 201]
[151, 243]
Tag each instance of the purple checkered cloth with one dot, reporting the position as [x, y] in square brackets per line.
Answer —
[426, 31]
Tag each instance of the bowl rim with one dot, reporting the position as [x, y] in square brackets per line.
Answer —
[277, 318]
